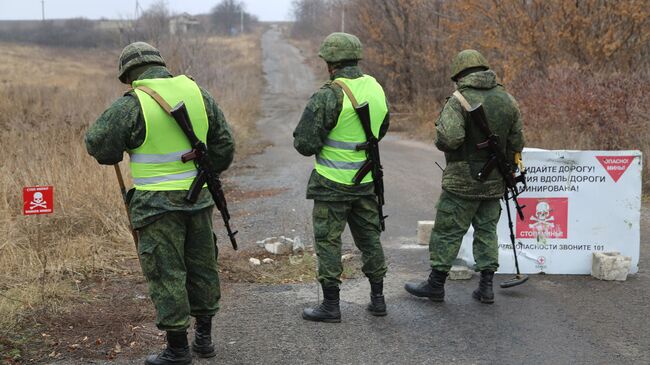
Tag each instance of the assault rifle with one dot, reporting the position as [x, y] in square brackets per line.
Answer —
[373, 162]
[206, 173]
[499, 161]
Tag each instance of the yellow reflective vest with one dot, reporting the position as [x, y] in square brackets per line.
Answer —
[156, 165]
[339, 159]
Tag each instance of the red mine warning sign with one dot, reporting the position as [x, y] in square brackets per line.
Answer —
[38, 200]
[615, 165]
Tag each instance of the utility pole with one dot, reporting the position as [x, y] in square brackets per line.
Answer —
[241, 20]
[43, 9]
[343, 18]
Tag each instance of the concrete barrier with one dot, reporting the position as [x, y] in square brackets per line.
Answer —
[610, 266]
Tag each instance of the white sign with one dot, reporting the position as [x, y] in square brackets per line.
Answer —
[577, 203]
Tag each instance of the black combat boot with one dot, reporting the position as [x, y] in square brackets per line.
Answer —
[433, 288]
[202, 344]
[328, 311]
[484, 292]
[377, 306]
[176, 353]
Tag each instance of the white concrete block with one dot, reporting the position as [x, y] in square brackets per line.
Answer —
[268, 261]
[424, 231]
[298, 246]
[610, 266]
[458, 272]
[279, 247]
[255, 262]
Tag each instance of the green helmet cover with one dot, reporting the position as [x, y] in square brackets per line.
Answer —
[338, 47]
[468, 58]
[137, 54]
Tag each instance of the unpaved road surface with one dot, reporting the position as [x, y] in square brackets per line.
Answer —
[550, 320]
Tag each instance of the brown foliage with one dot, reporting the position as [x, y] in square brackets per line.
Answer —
[573, 65]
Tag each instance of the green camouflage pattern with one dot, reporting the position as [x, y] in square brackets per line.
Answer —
[458, 140]
[137, 54]
[329, 220]
[453, 217]
[121, 127]
[319, 117]
[467, 59]
[178, 256]
[338, 47]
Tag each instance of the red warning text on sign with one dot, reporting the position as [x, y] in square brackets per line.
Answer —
[38, 200]
[615, 165]
[544, 218]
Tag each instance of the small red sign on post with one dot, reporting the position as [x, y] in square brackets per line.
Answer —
[38, 200]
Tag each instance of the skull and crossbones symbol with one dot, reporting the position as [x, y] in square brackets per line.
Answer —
[542, 218]
[38, 201]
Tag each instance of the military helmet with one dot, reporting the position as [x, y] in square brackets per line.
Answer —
[468, 58]
[339, 47]
[138, 54]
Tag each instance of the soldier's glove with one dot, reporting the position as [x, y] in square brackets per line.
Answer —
[519, 162]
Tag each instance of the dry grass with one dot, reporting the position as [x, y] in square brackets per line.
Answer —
[285, 269]
[48, 97]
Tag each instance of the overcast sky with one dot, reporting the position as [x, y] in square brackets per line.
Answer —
[266, 10]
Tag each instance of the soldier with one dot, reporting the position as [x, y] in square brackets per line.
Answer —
[465, 200]
[177, 247]
[330, 129]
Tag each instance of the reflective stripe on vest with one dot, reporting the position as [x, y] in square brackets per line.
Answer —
[156, 165]
[339, 160]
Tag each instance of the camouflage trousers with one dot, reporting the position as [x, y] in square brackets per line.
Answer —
[178, 258]
[453, 217]
[330, 218]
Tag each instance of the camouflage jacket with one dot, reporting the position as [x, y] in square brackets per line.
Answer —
[457, 136]
[319, 117]
[121, 127]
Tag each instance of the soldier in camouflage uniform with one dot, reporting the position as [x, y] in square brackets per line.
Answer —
[464, 199]
[330, 130]
[177, 248]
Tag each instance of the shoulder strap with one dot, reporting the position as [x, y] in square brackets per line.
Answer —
[462, 100]
[155, 96]
[347, 92]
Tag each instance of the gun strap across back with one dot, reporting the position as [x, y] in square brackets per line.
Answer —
[347, 92]
[462, 100]
[155, 96]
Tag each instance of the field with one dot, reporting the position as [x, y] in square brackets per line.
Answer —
[54, 265]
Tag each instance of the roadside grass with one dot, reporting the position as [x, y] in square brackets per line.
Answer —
[48, 97]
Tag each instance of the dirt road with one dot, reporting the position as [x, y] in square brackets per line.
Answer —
[551, 320]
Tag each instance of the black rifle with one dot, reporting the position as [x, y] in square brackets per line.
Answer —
[206, 173]
[373, 162]
[498, 159]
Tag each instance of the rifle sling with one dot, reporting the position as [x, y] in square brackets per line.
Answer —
[462, 100]
[155, 96]
[347, 92]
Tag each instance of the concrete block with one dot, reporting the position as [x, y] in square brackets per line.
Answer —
[279, 248]
[277, 245]
[610, 266]
[424, 231]
[267, 261]
[458, 272]
[255, 262]
[298, 246]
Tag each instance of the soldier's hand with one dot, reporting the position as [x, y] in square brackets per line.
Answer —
[519, 162]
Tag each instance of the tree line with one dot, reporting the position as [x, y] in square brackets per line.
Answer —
[580, 68]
